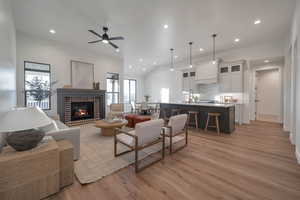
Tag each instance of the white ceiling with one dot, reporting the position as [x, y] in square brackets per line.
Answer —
[141, 23]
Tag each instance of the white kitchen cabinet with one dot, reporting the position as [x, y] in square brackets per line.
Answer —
[188, 81]
[231, 77]
[225, 83]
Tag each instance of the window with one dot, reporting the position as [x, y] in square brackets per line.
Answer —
[164, 95]
[129, 93]
[112, 88]
[37, 85]
[129, 90]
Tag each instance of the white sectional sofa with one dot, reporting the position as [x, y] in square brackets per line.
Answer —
[60, 131]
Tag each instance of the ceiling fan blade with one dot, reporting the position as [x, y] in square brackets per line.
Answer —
[116, 38]
[95, 33]
[94, 41]
[112, 44]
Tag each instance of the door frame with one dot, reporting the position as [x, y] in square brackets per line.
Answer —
[267, 68]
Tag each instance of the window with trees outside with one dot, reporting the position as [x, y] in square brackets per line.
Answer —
[37, 85]
[112, 88]
[129, 93]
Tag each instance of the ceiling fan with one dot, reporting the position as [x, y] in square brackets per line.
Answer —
[105, 38]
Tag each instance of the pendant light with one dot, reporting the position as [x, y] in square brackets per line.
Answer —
[191, 64]
[214, 49]
[172, 60]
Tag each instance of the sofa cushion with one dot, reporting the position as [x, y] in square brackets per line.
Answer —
[49, 128]
[127, 139]
[177, 123]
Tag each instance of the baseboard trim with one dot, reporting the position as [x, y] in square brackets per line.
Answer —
[297, 155]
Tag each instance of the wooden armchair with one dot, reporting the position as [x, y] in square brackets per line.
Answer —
[145, 135]
[116, 110]
[177, 125]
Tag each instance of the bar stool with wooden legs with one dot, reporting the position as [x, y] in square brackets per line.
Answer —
[175, 112]
[216, 116]
[190, 115]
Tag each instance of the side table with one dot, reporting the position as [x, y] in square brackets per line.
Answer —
[29, 175]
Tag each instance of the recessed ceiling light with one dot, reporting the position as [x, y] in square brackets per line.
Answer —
[201, 49]
[175, 56]
[258, 21]
[191, 66]
[52, 31]
[166, 26]
[154, 63]
[117, 50]
[266, 61]
[144, 69]
[172, 69]
[141, 60]
[130, 66]
[237, 39]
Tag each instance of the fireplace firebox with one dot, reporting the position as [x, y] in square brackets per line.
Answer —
[82, 110]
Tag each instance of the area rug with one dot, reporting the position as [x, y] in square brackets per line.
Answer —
[97, 155]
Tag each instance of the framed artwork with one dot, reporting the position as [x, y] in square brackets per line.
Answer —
[82, 75]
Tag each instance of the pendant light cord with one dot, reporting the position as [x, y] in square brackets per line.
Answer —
[172, 57]
[190, 43]
[214, 46]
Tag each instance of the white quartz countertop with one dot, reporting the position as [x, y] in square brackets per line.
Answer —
[204, 104]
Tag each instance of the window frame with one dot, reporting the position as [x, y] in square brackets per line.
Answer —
[130, 89]
[118, 93]
[36, 70]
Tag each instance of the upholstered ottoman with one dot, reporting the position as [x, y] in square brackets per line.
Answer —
[139, 119]
[130, 119]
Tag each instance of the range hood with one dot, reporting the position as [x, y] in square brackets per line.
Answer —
[207, 73]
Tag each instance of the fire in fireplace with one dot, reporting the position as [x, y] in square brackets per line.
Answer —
[82, 110]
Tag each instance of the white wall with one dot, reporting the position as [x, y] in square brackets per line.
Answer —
[7, 57]
[161, 77]
[31, 48]
[292, 82]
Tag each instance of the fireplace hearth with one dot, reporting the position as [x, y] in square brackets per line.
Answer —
[82, 110]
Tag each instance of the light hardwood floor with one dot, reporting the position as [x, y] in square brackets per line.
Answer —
[255, 162]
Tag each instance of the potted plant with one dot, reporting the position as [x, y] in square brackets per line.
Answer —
[39, 89]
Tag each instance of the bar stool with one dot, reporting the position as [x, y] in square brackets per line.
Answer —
[190, 115]
[175, 112]
[216, 116]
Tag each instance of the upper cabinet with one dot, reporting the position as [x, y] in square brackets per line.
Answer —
[206, 73]
[188, 80]
[231, 77]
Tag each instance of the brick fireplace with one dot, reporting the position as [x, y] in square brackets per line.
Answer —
[80, 106]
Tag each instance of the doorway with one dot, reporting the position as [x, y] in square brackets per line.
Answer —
[268, 95]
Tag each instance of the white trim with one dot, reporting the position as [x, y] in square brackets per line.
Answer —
[297, 155]
[292, 138]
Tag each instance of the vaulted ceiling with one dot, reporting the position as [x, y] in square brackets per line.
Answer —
[141, 23]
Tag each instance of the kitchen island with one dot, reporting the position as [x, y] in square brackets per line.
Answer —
[226, 119]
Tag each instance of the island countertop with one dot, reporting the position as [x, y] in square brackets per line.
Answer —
[203, 104]
[226, 119]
